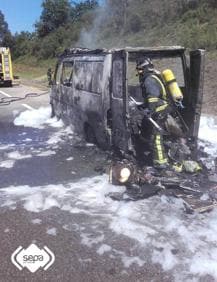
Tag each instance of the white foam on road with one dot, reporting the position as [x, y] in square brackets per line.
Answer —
[104, 248]
[165, 258]
[36, 221]
[89, 240]
[128, 261]
[160, 232]
[52, 231]
[37, 202]
[159, 229]
[7, 163]
[37, 118]
[58, 137]
[27, 140]
[46, 153]
[5, 147]
[17, 156]
[69, 159]
[208, 129]
[204, 263]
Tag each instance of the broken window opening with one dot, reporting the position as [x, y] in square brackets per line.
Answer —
[67, 73]
[88, 76]
[58, 74]
[160, 64]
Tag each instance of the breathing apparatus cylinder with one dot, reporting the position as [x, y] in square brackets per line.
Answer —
[172, 85]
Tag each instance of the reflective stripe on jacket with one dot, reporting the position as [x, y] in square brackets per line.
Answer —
[154, 93]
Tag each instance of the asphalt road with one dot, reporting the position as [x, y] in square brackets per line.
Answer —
[59, 230]
[53, 193]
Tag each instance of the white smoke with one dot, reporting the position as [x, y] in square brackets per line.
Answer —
[89, 37]
[103, 33]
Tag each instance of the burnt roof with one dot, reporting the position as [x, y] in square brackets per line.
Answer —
[148, 49]
[133, 51]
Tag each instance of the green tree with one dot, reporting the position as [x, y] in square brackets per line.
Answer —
[6, 38]
[22, 43]
[117, 15]
[59, 26]
[49, 46]
[79, 9]
[212, 3]
[55, 13]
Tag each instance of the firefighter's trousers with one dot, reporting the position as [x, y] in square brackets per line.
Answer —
[159, 154]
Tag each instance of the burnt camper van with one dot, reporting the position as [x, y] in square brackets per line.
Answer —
[92, 88]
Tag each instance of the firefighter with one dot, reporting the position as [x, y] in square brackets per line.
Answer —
[49, 76]
[156, 106]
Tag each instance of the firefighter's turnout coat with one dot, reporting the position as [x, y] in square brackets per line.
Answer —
[156, 100]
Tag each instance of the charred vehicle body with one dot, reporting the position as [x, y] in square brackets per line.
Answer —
[92, 90]
[97, 91]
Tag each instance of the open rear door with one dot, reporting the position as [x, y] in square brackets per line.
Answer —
[197, 64]
[119, 102]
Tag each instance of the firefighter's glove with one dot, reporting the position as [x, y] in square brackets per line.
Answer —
[147, 113]
[179, 104]
[159, 116]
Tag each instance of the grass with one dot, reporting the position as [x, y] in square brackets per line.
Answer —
[30, 68]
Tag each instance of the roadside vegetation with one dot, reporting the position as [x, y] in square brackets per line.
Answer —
[92, 23]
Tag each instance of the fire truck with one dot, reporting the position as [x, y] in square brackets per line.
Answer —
[6, 73]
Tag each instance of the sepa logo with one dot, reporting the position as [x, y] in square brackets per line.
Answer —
[32, 258]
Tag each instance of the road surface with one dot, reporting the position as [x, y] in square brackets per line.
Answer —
[53, 194]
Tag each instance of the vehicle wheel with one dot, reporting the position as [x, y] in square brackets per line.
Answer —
[90, 136]
[8, 84]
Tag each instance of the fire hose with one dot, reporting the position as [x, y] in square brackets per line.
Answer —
[5, 101]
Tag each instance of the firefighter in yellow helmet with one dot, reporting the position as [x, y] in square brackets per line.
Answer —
[156, 105]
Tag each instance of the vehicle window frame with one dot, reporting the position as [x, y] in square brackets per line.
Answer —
[64, 81]
[80, 83]
[58, 72]
[181, 79]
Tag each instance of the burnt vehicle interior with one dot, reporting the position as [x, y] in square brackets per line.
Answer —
[189, 75]
[188, 70]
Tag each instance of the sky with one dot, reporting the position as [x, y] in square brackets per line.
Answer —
[21, 15]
